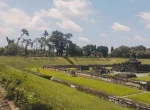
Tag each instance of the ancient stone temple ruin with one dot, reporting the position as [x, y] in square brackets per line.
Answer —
[132, 65]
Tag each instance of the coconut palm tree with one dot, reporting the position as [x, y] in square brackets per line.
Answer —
[24, 32]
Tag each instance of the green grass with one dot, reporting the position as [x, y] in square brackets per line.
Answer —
[103, 61]
[97, 61]
[58, 96]
[145, 78]
[108, 68]
[96, 84]
[113, 74]
[22, 62]
[142, 97]
[71, 68]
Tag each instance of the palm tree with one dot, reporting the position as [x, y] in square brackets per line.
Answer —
[45, 34]
[27, 43]
[24, 32]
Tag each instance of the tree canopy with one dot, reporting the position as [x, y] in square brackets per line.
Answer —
[59, 44]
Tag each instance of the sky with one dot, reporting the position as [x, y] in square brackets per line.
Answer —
[99, 22]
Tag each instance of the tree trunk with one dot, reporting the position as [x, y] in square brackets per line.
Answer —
[26, 50]
[49, 48]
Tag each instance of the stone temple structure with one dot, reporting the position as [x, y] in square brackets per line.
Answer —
[132, 65]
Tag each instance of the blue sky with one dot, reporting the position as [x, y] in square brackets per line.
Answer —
[100, 22]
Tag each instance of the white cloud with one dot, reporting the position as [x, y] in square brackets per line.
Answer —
[3, 5]
[139, 38]
[70, 25]
[64, 13]
[103, 35]
[119, 27]
[145, 16]
[6, 31]
[67, 11]
[37, 23]
[16, 18]
[73, 8]
[83, 39]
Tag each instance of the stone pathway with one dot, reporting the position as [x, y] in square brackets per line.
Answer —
[3, 103]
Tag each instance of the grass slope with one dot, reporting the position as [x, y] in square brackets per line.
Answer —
[142, 97]
[103, 61]
[96, 84]
[58, 96]
[96, 61]
[22, 62]
[146, 78]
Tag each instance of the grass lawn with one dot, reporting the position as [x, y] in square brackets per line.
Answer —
[146, 78]
[56, 95]
[142, 97]
[22, 62]
[96, 84]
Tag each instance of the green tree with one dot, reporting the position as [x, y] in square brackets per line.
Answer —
[10, 41]
[12, 49]
[89, 49]
[112, 49]
[122, 51]
[23, 32]
[60, 41]
[103, 50]
[27, 42]
[2, 51]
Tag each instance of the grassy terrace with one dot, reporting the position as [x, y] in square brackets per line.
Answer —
[55, 95]
[102, 61]
[21, 62]
[146, 78]
[142, 97]
[96, 61]
[112, 74]
[99, 85]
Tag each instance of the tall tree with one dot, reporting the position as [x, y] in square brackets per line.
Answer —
[60, 41]
[10, 41]
[45, 34]
[27, 43]
[103, 50]
[122, 51]
[89, 49]
[12, 49]
[23, 32]
[112, 49]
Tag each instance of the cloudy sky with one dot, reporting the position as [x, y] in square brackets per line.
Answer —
[100, 22]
